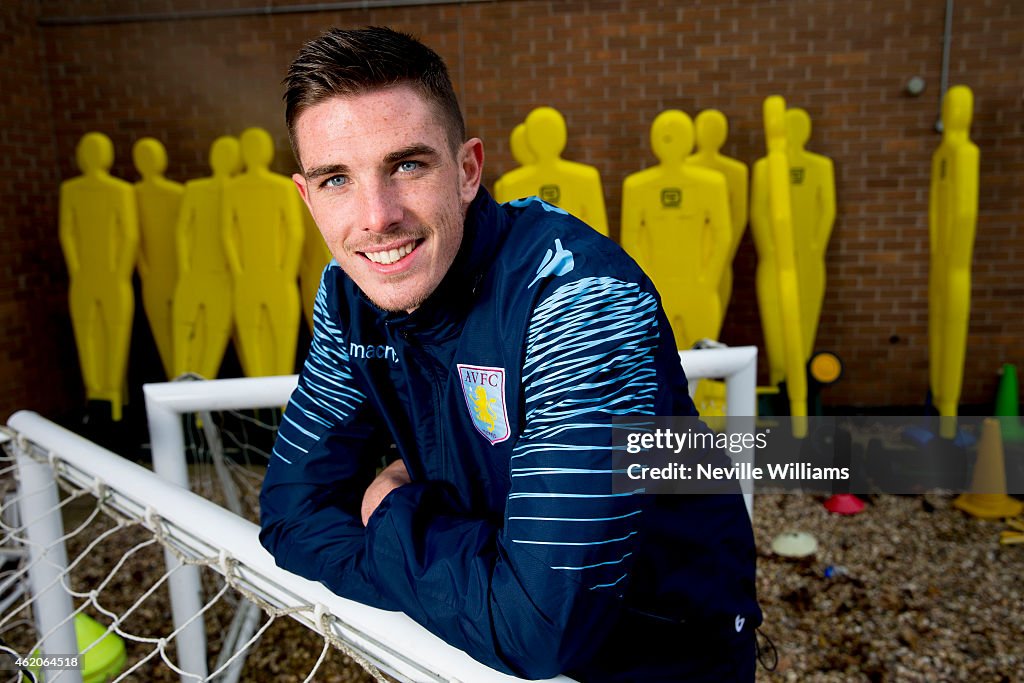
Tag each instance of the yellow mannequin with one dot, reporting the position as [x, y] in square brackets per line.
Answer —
[711, 129]
[675, 223]
[201, 313]
[813, 207]
[263, 234]
[952, 220]
[315, 257]
[520, 147]
[778, 286]
[99, 234]
[766, 275]
[813, 196]
[566, 184]
[521, 152]
[159, 201]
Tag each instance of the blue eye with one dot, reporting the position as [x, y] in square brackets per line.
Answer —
[409, 166]
[335, 181]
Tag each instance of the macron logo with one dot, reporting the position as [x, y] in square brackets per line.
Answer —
[372, 351]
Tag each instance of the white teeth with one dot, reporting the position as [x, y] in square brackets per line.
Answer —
[386, 258]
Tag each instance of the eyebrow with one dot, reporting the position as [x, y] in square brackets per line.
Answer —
[329, 169]
[415, 150]
[391, 158]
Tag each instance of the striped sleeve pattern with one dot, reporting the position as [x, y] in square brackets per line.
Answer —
[589, 357]
[326, 393]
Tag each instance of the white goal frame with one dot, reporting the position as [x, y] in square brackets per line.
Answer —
[738, 366]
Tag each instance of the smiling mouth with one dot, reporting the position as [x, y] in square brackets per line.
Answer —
[386, 258]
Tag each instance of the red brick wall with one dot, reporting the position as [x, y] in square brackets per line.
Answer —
[36, 369]
[611, 66]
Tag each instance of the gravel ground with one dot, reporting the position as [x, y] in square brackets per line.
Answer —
[924, 593]
[919, 592]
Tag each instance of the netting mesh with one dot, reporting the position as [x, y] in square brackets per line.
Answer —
[228, 452]
[117, 577]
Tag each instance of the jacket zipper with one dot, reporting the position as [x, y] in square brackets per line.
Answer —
[436, 377]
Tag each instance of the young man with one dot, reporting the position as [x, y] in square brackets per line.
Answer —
[484, 349]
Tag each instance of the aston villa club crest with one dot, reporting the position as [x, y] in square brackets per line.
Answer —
[484, 390]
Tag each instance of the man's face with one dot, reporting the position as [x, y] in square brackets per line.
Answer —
[386, 190]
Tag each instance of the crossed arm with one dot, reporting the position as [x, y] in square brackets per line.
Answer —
[390, 478]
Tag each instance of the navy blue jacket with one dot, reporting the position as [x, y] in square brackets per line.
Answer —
[498, 394]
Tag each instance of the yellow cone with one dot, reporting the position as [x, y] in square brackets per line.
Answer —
[988, 499]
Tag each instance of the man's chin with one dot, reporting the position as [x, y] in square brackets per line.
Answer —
[395, 303]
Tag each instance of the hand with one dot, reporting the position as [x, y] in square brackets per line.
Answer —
[390, 478]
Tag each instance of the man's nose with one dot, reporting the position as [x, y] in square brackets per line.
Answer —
[382, 207]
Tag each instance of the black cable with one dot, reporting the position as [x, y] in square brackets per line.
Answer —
[768, 650]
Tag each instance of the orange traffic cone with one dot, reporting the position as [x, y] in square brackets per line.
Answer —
[988, 499]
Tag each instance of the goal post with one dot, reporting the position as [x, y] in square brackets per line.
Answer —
[166, 402]
[38, 505]
[738, 366]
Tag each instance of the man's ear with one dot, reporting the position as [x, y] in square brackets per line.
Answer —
[303, 188]
[471, 168]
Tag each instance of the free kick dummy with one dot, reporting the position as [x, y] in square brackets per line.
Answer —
[813, 193]
[263, 235]
[520, 152]
[569, 185]
[812, 202]
[159, 200]
[315, 257]
[202, 300]
[99, 234]
[711, 129]
[676, 224]
[778, 286]
[952, 221]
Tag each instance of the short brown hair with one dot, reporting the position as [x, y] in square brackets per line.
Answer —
[349, 62]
